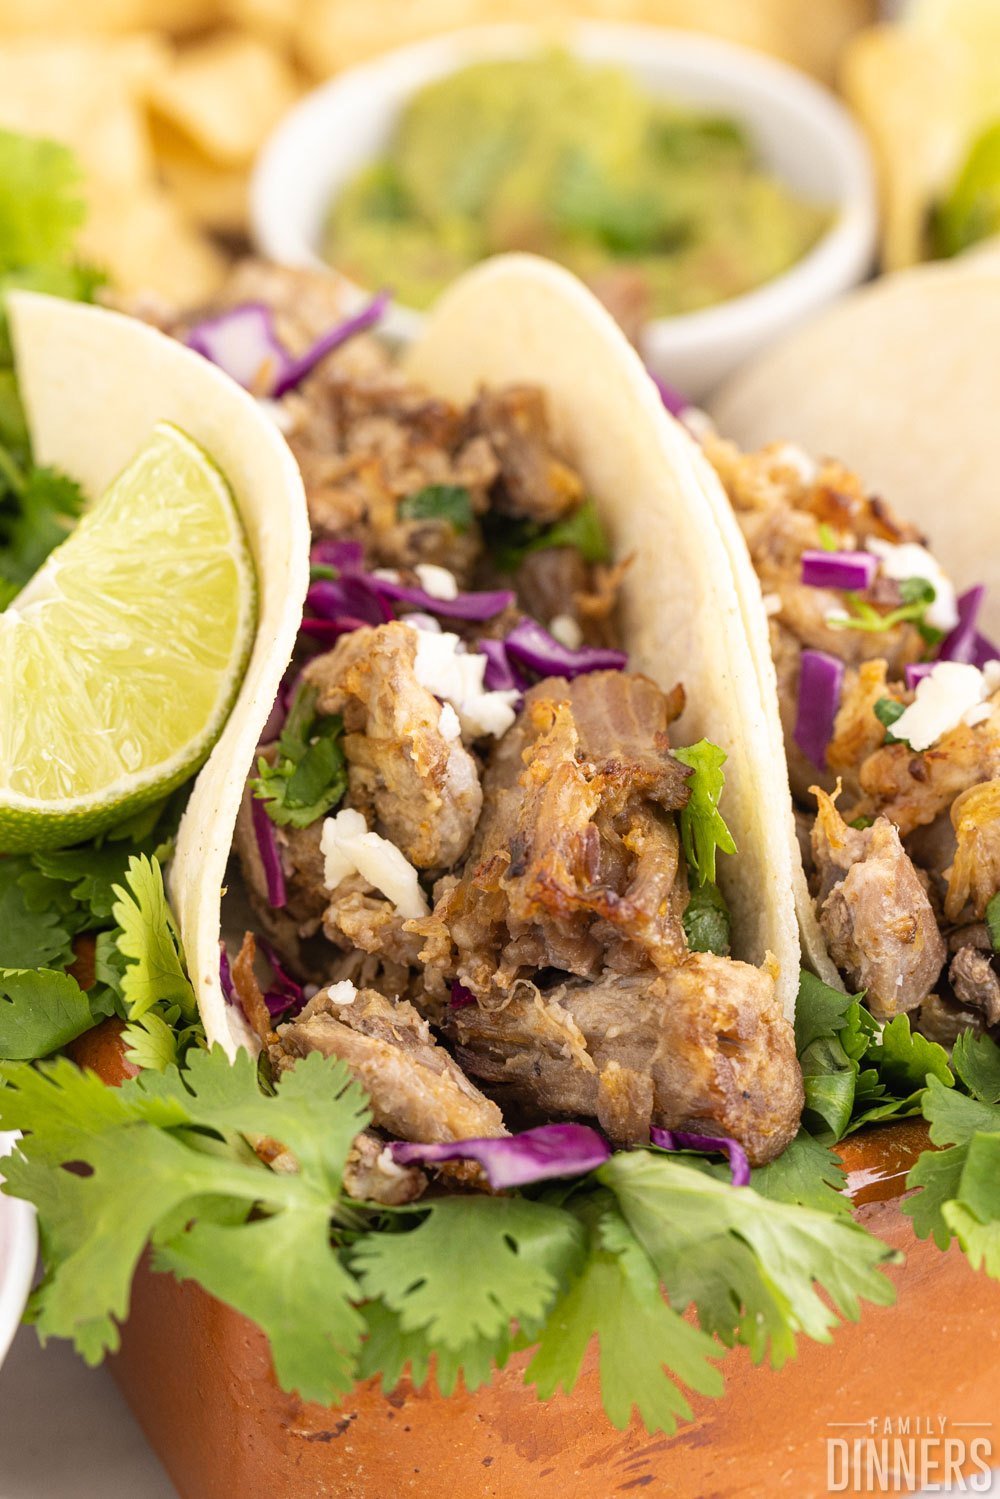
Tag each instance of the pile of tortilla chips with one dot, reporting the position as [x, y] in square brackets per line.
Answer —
[166, 102]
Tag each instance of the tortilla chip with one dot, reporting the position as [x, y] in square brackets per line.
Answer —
[94, 384]
[145, 243]
[333, 34]
[225, 95]
[86, 93]
[213, 197]
[521, 319]
[59, 17]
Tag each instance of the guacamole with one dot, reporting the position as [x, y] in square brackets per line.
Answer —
[661, 208]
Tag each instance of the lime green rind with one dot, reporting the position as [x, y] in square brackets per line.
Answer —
[72, 586]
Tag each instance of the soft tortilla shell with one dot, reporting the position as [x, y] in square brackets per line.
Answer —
[901, 382]
[519, 318]
[94, 384]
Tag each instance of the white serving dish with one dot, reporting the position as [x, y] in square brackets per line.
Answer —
[800, 129]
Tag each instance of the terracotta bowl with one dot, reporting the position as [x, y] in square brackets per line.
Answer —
[199, 1379]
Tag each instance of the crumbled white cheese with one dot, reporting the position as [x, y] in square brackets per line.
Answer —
[387, 1165]
[387, 574]
[343, 993]
[790, 455]
[951, 694]
[276, 413]
[910, 560]
[455, 676]
[448, 724]
[772, 603]
[424, 622]
[564, 628]
[437, 581]
[349, 848]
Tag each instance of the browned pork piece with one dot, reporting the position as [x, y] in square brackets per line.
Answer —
[913, 788]
[420, 788]
[575, 863]
[874, 912]
[702, 1047]
[535, 482]
[417, 1092]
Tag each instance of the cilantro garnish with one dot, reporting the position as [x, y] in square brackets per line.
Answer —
[511, 541]
[706, 920]
[703, 829]
[309, 777]
[887, 710]
[917, 595]
[993, 920]
[41, 1009]
[444, 502]
[40, 212]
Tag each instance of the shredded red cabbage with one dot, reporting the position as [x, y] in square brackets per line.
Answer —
[461, 996]
[536, 649]
[500, 675]
[225, 976]
[517, 1160]
[821, 681]
[345, 556]
[671, 1139]
[244, 344]
[675, 403]
[855, 570]
[270, 855]
[965, 643]
[463, 606]
[351, 594]
[286, 994]
[297, 369]
[329, 631]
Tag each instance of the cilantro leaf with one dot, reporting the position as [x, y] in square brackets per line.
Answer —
[444, 502]
[149, 937]
[806, 1173]
[976, 1060]
[47, 502]
[388, 1349]
[41, 1010]
[422, 1275]
[309, 777]
[706, 920]
[993, 920]
[41, 206]
[617, 1297]
[917, 595]
[887, 710]
[687, 1222]
[29, 938]
[904, 1058]
[819, 1010]
[282, 1272]
[155, 1176]
[938, 1173]
[511, 541]
[703, 829]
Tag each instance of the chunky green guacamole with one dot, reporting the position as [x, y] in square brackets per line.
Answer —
[657, 206]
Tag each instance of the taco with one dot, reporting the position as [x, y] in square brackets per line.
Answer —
[887, 690]
[496, 851]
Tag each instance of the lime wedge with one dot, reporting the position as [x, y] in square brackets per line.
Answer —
[120, 660]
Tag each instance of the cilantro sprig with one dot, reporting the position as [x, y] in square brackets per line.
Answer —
[346, 1290]
[917, 595]
[511, 541]
[309, 777]
[108, 893]
[40, 211]
[445, 502]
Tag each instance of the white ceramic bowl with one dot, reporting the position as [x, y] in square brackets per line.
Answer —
[799, 128]
[18, 1252]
